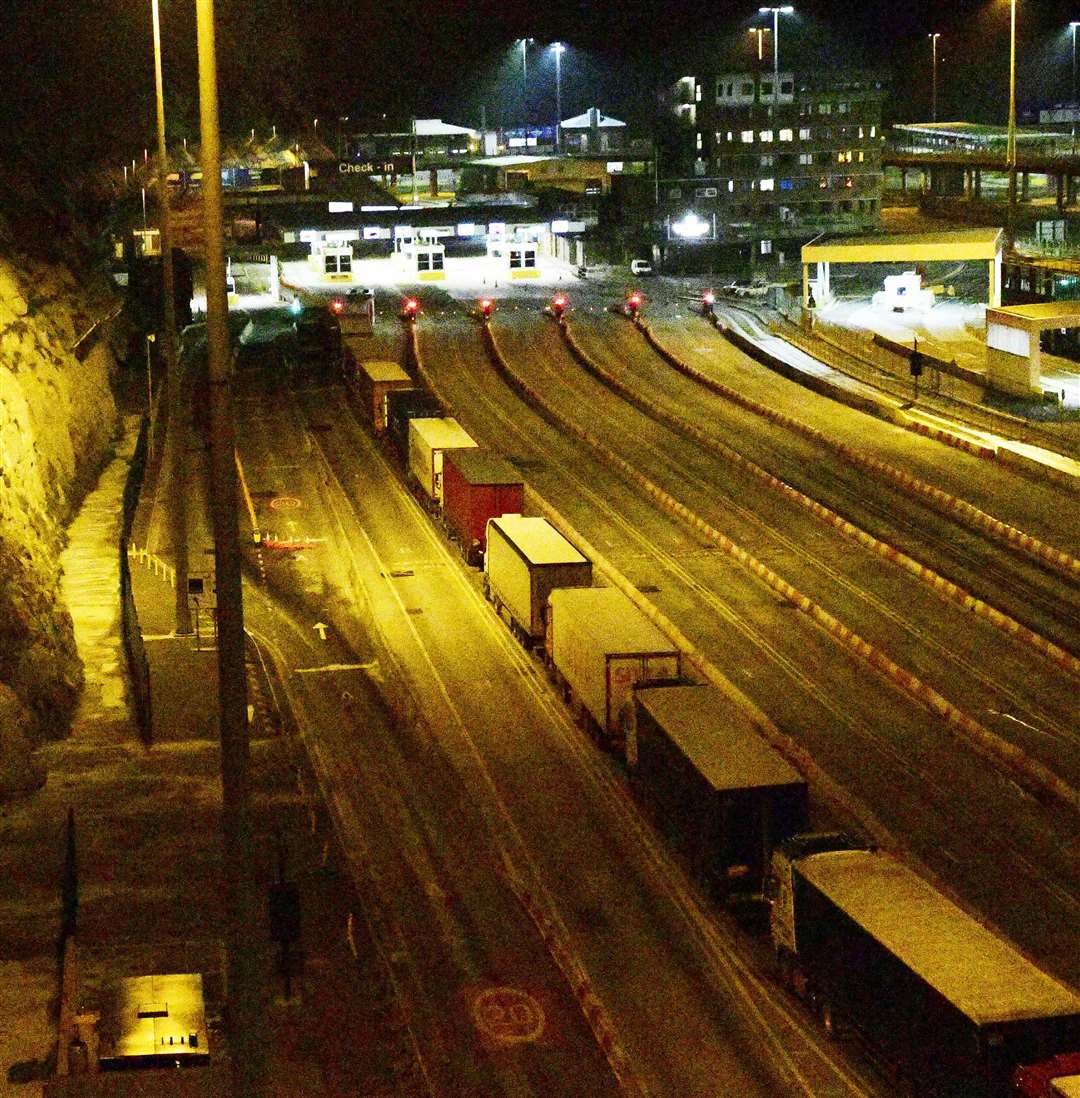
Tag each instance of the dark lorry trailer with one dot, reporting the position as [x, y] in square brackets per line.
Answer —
[939, 996]
[526, 558]
[369, 384]
[722, 794]
[478, 485]
[403, 405]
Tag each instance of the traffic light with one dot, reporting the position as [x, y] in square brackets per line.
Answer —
[409, 308]
[558, 305]
[708, 300]
[633, 302]
[337, 306]
[487, 307]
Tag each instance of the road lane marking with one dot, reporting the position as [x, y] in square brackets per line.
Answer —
[336, 667]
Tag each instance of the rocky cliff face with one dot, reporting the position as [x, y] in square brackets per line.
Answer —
[57, 421]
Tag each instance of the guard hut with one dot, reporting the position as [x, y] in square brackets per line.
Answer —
[1013, 351]
[423, 258]
[331, 260]
[945, 247]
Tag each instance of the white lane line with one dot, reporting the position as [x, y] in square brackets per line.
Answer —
[335, 667]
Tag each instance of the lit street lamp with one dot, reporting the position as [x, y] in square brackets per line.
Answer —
[558, 47]
[525, 43]
[1072, 101]
[760, 32]
[933, 83]
[787, 9]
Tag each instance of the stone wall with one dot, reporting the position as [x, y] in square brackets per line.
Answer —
[57, 422]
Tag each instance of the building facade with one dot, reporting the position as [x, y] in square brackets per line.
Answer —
[766, 162]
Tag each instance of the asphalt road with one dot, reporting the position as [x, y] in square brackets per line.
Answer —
[1008, 856]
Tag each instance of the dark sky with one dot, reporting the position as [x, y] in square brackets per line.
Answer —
[79, 73]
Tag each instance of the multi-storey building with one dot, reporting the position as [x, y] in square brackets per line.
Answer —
[772, 162]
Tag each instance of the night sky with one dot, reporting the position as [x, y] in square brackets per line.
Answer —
[86, 90]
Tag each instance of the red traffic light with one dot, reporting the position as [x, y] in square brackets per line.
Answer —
[410, 307]
[634, 300]
[486, 307]
[708, 297]
[558, 304]
[337, 306]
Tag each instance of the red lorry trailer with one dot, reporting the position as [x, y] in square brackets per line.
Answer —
[720, 792]
[430, 439]
[602, 646]
[369, 382]
[526, 558]
[946, 1001]
[1055, 1078]
[478, 485]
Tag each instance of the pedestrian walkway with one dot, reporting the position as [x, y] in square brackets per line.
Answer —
[90, 586]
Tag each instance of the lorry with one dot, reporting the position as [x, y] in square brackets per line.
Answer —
[526, 558]
[934, 992]
[402, 405]
[720, 792]
[429, 440]
[370, 383]
[601, 646]
[478, 485]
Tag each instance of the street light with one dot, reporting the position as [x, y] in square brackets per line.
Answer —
[1010, 149]
[173, 440]
[1072, 102]
[525, 43]
[787, 9]
[760, 32]
[558, 47]
[933, 83]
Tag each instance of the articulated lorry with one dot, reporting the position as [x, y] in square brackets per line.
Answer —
[935, 993]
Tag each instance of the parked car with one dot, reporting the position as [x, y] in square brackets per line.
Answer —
[640, 267]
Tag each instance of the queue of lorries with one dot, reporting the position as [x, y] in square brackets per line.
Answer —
[877, 950]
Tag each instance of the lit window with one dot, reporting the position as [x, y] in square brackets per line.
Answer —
[842, 108]
[824, 108]
[767, 160]
[699, 140]
[861, 134]
[843, 156]
[766, 247]
[768, 185]
[730, 136]
[804, 133]
[766, 135]
[873, 131]
[806, 158]
[747, 137]
[823, 183]
[862, 156]
[697, 94]
[730, 185]
[786, 135]
[849, 182]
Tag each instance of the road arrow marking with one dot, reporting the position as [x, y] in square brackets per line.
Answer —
[320, 628]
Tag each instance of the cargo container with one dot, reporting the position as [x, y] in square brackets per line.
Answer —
[937, 994]
[724, 796]
[478, 485]
[526, 558]
[402, 405]
[369, 383]
[602, 646]
[429, 441]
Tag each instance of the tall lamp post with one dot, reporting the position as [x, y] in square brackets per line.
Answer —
[760, 32]
[558, 47]
[247, 1024]
[787, 9]
[1072, 101]
[174, 438]
[933, 77]
[1010, 149]
[525, 44]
